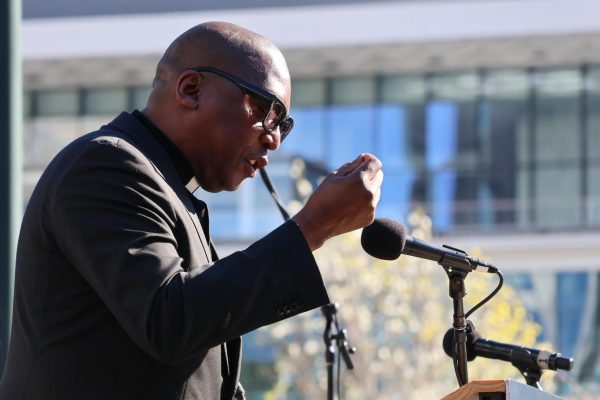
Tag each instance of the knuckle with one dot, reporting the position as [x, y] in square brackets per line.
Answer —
[371, 217]
[368, 196]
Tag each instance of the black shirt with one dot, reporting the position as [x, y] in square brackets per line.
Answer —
[181, 165]
[183, 168]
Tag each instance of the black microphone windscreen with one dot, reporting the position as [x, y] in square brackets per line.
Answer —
[448, 344]
[384, 238]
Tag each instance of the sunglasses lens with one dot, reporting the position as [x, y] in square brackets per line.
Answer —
[285, 127]
[275, 115]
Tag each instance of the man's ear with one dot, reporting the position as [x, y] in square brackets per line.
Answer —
[188, 89]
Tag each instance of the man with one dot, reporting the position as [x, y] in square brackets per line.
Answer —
[118, 291]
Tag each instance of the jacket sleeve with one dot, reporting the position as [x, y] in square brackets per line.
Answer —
[115, 223]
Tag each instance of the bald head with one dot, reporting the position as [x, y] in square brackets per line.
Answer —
[225, 46]
[217, 124]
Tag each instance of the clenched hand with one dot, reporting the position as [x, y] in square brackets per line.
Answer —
[344, 201]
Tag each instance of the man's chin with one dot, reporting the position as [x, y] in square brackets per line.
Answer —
[232, 186]
[215, 187]
[221, 189]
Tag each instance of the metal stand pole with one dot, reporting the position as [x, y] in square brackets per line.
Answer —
[11, 116]
[332, 341]
[328, 311]
[457, 292]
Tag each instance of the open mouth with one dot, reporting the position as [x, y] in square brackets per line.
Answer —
[252, 167]
[257, 163]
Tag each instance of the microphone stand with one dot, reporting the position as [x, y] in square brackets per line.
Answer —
[457, 292]
[456, 275]
[338, 339]
[532, 375]
[333, 340]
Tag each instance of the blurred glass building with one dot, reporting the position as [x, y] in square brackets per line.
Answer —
[486, 113]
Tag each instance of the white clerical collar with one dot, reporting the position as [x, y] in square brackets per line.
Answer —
[192, 185]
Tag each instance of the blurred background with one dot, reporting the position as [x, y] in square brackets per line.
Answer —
[485, 114]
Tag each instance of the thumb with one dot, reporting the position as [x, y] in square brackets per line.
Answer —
[369, 168]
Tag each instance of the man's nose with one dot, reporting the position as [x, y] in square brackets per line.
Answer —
[272, 139]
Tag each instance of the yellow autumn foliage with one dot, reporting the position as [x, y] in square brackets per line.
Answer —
[396, 314]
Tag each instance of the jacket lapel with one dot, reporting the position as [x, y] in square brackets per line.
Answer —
[127, 125]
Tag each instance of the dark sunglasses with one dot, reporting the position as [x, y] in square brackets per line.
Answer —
[275, 116]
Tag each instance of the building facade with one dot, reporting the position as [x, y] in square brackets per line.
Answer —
[486, 113]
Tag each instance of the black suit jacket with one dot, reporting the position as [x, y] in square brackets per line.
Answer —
[117, 293]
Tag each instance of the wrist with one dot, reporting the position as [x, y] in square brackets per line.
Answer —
[314, 233]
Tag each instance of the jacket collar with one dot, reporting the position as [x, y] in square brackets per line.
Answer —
[129, 127]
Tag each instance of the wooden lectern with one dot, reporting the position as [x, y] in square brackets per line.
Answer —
[499, 390]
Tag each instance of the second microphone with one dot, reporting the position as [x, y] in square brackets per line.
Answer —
[387, 239]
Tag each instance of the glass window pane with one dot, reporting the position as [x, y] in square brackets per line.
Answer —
[506, 84]
[223, 208]
[504, 146]
[248, 212]
[403, 89]
[105, 101]
[557, 136]
[593, 114]
[308, 92]
[441, 190]
[459, 154]
[396, 195]
[572, 288]
[351, 130]
[594, 195]
[593, 129]
[558, 83]
[451, 138]
[593, 148]
[523, 137]
[504, 135]
[140, 96]
[258, 213]
[456, 86]
[522, 200]
[557, 197]
[557, 122]
[592, 83]
[307, 139]
[58, 102]
[500, 200]
[441, 149]
[593, 80]
[399, 136]
[472, 200]
[353, 90]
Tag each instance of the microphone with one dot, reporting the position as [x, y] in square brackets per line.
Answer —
[520, 357]
[387, 239]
